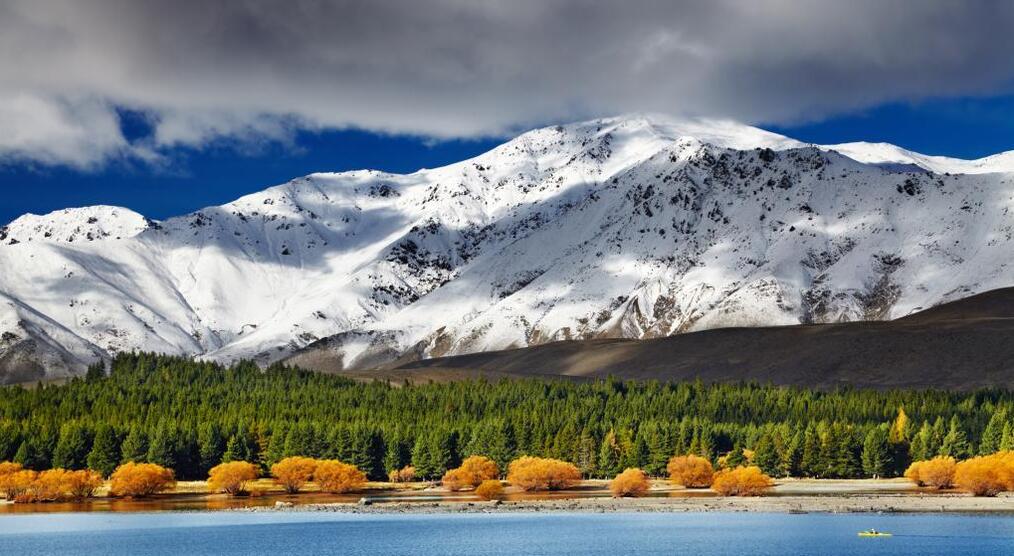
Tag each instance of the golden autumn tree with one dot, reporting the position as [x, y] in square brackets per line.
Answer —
[631, 482]
[472, 472]
[937, 472]
[140, 479]
[690, 471]
[7, 467]
[16, 483]
[337, 477]
[292, 473]
[986, 475]
[489, 489]
[741, 481]
[531, 473]
[82, 483]
[404, 475]
[49, 486]
[899, 428]
[231, 477]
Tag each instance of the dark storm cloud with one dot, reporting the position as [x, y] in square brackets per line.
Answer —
[210, 70]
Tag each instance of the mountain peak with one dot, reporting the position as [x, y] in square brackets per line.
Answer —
[84, 224]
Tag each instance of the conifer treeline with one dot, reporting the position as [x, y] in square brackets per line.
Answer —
[192, 415]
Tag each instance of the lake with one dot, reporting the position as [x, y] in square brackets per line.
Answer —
[697, 534]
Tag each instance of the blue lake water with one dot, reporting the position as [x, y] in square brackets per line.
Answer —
[211, 533]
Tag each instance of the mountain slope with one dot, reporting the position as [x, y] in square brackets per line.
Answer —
[959, 345]
[633, 227]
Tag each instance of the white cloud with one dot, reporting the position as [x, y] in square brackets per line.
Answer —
[455, 68]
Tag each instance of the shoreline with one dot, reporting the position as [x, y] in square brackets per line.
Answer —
[866, 503]
[591, 496]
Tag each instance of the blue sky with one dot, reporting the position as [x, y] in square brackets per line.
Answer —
[222, 171]
[217, 174]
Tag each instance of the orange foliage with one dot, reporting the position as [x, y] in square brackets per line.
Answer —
[912, 473]
[632, 482]
[404, 475]
[140, 479]
[7, 467]
[82, 483]
[489, 489]
[49, 486]
[937, 472]
[741, 481]
[690, 471]
[986, 475]
[293, 472]
[231, 477]
[473, 471]
[16, 483]
[332, 475]
[529, 473]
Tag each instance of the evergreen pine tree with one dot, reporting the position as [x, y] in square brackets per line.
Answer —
[920, 449]
[398, 453]
[791, 456]
[135, 445]
[73, 446]
[935, 441]
[876, 457]
[211, 446]
[276, 446]
[765, 454]
[809, 461]
[10, 440]
[992, 435]
[162, 447]
[956, 443]
[422, 457]
[609, 455]
[587, 454]
[736, 457]
[104, 456]
[1007, 440]
[95, 372]
[32, 455]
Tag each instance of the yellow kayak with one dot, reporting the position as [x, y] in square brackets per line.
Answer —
[873, 534]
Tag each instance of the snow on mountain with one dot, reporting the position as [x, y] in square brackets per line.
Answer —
[75, 224]
[637, 226]
[888, 155]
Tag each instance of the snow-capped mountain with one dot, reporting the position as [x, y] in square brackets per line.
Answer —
[634, 226]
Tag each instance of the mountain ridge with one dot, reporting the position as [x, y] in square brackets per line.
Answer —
[638, 226]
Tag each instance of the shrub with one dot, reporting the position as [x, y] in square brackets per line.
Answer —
[293, 472]
[231, 477]
[912, 473]
[83, 483]
[632, 482]
[489, 489]
[986, 475]
[530, 473]
[334, 476]
[140, 479]
[741, 481]
[937, 472]
[690, 471]
[404, 475]
[7, 467]
[48, 486]
[473, 471]
[17, 483]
